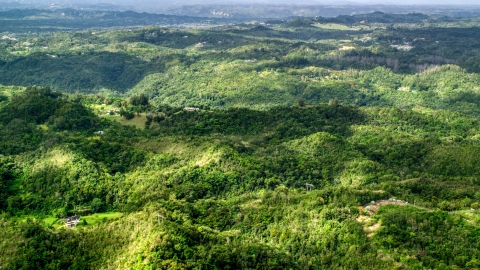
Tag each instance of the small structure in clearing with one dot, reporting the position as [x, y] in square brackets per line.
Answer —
[309, 186]
[72, 221]
[191, 109]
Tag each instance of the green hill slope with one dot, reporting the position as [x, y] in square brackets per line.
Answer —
[309, 146]
[227, 188]
[255, 66]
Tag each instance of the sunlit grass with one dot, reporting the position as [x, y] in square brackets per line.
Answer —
[137, 121]
[99, 218]
[59, 222]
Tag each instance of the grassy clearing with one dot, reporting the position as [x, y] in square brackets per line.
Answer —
[90, 219]
[100, 109]
[50, 220]
[99, 218]
[137, 121]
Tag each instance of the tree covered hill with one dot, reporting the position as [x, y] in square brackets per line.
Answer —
[227, 188]
[302, 144]
[261, 66]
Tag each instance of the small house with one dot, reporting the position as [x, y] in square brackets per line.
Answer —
[72, 221]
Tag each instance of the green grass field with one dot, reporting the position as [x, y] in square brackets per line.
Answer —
[137, 121]
[99, 218]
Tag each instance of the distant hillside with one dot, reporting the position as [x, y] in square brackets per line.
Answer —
[262, 65]
[256, 11]
[67, 19]
[377, 17]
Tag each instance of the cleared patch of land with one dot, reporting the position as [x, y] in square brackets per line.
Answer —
[90, 219]
[137, 121]
[100, 217]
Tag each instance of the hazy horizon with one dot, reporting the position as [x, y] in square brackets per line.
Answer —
[228, 2]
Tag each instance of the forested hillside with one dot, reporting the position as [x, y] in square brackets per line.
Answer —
[360, 60]
[226, 188]
[299, 144]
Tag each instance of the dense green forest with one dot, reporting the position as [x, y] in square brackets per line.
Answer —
[375, 59]
[296, 144]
